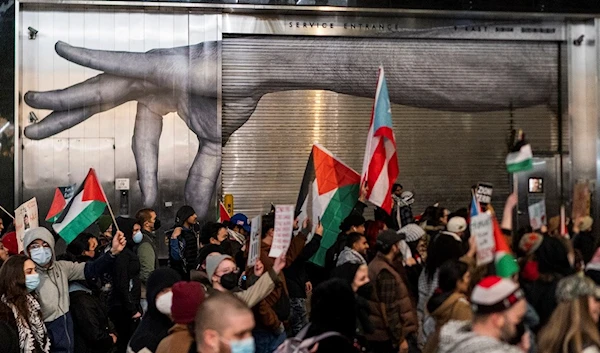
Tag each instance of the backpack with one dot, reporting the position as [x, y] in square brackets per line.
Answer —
[300, 345]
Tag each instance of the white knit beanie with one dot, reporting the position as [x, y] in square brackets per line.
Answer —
[413, 232]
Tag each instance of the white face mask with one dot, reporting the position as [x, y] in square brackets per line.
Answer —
[164, 302]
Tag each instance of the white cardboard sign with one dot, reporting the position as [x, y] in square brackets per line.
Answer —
[537, 215]
[26, 217]
[254, 246]
[284, 226]
[483, 231]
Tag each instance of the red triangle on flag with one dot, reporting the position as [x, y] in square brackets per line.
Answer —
[223, 214]
[58, 205]
[92, 190]
[330, 172]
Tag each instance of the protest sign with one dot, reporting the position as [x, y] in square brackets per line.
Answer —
[537, 215]
[581, 200]
[483, 231]
[254, 245]
[26, 217]
[284, 226]
[484, 193]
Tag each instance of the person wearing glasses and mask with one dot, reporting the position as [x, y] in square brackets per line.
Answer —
[53, 290]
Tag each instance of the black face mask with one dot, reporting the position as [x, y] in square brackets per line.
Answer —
[157, 224]
[520, 331]
[365, 291]
[230, 280]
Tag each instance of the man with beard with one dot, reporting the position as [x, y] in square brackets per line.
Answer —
[499, 307]
[392, 309]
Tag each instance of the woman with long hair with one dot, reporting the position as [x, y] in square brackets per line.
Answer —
[19, 307]
[573, 327]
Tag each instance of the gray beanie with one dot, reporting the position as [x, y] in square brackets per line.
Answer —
[212, 262]
[413, 232]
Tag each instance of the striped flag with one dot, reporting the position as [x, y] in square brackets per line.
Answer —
[380, 165]
[520, 158]
[329, 191]
[83, 209]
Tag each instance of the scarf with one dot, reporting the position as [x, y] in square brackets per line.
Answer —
[30, 329]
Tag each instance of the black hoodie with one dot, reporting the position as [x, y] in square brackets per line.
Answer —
[155, 325]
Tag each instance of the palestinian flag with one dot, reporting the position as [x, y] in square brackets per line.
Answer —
[58, 205]
[329, 191]
[85, 207]
[505, 263]
[223, 214]
[520, 158]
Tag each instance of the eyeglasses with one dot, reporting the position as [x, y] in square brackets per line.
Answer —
[37, 246]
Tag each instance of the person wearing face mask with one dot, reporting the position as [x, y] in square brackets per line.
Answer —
[449, 301]
[55, 275]
[183, 242]
[223, 324]
[19, 307]
[124, 300]
[498, 309]
[573, 325]
[393, 310]
[357, 276]
[105, 225]
[225, 276]
[147, 246]
[155, 324]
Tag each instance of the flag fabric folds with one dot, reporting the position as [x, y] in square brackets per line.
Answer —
[505, 263]
[87, 204]
[329, 191]
[380, 164]
[57, 206]
[520, 158]
[223, 214]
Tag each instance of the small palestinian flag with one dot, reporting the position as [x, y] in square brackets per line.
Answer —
[520, 158]
[330, 189]
[83, 209]
[58, 205]
[223, 214]
[505, 263]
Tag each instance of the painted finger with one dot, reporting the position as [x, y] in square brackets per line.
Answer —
[100, 89]
[146, 136]
[202, 177]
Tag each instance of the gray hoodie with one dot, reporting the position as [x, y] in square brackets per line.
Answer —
[456, 336]
[53, 290]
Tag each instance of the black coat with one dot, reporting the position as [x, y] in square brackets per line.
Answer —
[9, 339]
[586, 243]
[191, 248]
[295, 275]
[127, 286]
[90, 323]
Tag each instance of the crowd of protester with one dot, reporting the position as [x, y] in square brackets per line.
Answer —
[400, 282]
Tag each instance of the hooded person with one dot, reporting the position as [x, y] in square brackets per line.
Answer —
[53, 290]
[156, 322]
[187, 297]
[124, 300]
[183, 242]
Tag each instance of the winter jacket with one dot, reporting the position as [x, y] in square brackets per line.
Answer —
[53, 290]
[350, 255]
[456, 336]
[541, 294]
[586, 243]
[127, 286]
[295, 275]
[268, 313]
[454, 307]
[403, 303]
[190, 251]
[147, 253]
[9, 332]
[90, 322]
[179, 340]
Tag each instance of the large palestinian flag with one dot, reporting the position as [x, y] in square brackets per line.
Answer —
[85, 207]
[329, 191]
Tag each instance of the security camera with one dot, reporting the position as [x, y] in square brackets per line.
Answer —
[32, 32]
[578, 41]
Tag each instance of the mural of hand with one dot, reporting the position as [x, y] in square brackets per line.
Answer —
[182, 80]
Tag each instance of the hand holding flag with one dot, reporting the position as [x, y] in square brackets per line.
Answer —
[118, 243]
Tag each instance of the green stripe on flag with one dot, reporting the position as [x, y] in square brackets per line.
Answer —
[520, 166]
[339, 207]
[88, 216]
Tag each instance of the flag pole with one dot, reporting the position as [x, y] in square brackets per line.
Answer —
[112, 215]
[5, 211]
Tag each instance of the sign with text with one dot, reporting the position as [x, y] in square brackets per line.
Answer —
[254, 246]
[537, 215]
[484, 193]
[284, 226]
[26, 217]
[483, 231]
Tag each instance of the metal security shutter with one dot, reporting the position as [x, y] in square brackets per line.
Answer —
[441, 153]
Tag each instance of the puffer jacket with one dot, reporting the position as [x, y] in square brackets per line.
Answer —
[456, 336]
[453, 306]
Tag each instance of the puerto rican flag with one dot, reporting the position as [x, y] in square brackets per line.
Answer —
[380, 166]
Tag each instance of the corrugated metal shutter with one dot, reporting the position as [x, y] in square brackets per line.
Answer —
[441, 154]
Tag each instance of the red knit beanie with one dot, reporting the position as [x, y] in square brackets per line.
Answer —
[187, 297]
[9, 241]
